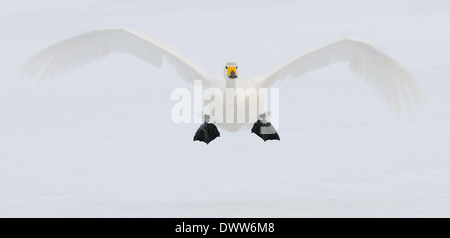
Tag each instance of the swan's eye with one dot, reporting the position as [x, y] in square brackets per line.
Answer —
[236, 67]
[226, 67]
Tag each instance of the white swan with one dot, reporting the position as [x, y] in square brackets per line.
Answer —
[378, 69]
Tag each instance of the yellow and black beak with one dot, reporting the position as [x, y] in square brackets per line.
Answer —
[232, 72]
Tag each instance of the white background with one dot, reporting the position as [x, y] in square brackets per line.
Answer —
[99, 141]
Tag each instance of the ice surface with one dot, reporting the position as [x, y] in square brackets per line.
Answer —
[99, 142]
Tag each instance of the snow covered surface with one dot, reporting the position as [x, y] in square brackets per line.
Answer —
[99, 142]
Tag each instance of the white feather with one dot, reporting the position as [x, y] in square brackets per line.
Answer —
[377, 68]
[77, 51]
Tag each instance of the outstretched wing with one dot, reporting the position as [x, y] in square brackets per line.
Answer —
[77, 51]
[377, 68]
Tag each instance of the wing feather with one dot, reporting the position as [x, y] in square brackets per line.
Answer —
[77, 51]
[369, 63]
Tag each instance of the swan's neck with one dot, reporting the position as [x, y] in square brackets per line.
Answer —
[231, 83]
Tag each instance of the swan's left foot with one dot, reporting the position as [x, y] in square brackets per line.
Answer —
[207, 132]
[264, 129]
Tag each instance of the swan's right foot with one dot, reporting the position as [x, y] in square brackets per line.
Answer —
[207, 132]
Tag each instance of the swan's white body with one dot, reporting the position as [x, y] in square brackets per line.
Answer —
[378, 69]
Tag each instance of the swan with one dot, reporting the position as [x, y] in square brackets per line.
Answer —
[388, 78]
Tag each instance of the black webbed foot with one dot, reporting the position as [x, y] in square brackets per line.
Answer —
[264, 129]
[207, 132]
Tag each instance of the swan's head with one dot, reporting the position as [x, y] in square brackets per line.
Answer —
[231, 71]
